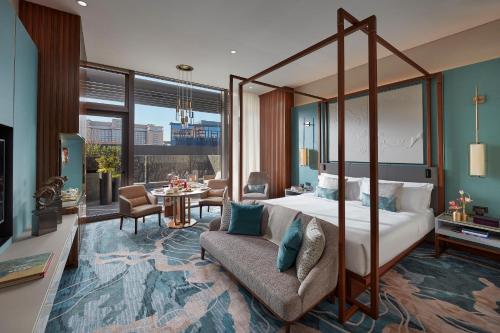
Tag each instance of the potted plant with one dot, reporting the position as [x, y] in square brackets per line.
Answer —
[108, 167]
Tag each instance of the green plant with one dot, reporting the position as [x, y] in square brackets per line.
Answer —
[108, 159]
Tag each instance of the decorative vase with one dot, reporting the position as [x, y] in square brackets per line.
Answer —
[457, 216]
[105, 194]
[115, 185]
[465, 217]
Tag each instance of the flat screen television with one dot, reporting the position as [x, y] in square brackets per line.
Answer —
[2, 180]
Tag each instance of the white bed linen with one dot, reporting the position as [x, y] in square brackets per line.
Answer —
[397, 230]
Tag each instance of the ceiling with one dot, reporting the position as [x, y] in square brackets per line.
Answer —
[155, 35]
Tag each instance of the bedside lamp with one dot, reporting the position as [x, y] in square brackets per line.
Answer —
[477, 150]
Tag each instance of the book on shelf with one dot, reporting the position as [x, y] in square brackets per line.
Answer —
[476, 232]
[25, 269]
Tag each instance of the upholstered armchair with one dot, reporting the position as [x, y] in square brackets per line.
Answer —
[257, 187]
[215, 196]
[136, 202]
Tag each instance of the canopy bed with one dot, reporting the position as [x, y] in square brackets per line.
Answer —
[376, 232]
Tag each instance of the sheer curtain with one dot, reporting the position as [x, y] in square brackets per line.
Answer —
[251, 137]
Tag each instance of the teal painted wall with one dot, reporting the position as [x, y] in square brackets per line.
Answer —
[74, 169]
[7, 35]
[25, 116]
[459, 85]
[458, 90]
[305, 135]
[18, 109]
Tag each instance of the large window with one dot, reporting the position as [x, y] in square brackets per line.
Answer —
[147, 140]
[163, 146]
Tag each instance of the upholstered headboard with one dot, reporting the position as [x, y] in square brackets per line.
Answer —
[394, 172]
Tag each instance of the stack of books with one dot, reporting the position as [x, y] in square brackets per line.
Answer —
[476, 232]
[25, 269]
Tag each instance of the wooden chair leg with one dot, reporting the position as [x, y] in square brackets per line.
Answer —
[202, 253]
[201, 209]
[121, 222]
[287, 327]
[159, 219]
[208, 208]
[144, 219]
[136, 225]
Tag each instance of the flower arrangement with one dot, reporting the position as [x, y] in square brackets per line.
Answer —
[459, 206]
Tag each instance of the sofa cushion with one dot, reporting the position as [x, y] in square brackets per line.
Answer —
[138, 201]
[254, 196]
[216, 192]
[245, 219]
[254, 265]
[290, 246]
[145, 210]
[311, 250]
[279, 219]
[225, 218]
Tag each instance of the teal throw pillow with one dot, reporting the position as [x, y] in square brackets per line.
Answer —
[245, 219]
[256, 188]
[327, 193]
[289, 246]
[385, 203]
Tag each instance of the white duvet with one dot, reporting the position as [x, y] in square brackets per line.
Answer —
[397, 230]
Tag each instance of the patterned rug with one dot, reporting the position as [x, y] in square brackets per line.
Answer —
[155, 281]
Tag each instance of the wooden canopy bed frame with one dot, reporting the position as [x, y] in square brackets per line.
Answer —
[350, 284]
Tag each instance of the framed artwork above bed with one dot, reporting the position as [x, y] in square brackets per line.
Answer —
[400, 127]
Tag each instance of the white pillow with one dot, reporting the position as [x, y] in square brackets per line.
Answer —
[385, 189]
[353, 185]
[416, 197]
[353, 189]
[328, 182]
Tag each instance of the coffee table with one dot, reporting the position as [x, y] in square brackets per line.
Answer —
[178, 199]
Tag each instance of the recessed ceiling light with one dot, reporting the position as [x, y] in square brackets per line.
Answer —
[233, 51]
[82, 3]
[250, 87]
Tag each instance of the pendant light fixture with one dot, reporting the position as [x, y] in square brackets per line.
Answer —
[184, 108]
[477, 150]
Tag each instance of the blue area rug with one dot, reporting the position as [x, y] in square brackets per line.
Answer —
[155, 281]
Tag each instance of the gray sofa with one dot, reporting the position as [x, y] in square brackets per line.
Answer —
[251, 260]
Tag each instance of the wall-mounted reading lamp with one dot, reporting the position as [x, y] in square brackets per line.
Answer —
[477, 150]
[303, 152]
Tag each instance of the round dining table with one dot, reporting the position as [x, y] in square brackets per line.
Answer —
[178, 199]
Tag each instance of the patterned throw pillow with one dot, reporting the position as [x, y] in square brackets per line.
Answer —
[313, 244]
[225, 218]
[384, 203]
[326, 193]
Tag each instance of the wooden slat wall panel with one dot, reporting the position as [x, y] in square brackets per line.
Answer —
[57, 36]
[275, 139]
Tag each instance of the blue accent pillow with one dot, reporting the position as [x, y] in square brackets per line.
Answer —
[326, 193]
[245, 219]
[289, 246]
[256, 188]
[385, 203]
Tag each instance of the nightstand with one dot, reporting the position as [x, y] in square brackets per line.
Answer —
[289, 192]
[448, 231]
